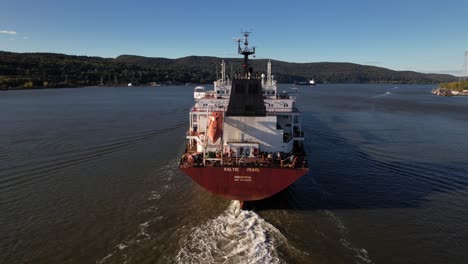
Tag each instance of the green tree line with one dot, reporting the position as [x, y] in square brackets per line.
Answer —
[455, 86]
[50, 70]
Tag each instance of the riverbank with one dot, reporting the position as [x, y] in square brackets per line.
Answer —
[459, 88]
[448, 92]
[20, 88]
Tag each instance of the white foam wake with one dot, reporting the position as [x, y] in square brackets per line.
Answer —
[382, 95]
[236, 236]
[361, 254]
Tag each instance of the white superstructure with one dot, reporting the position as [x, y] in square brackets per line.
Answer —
[246, 136]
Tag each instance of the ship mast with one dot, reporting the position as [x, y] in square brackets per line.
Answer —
[223, 72]
[269, 73]
[246, 51]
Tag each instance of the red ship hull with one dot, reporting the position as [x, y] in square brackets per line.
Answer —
[244, 184]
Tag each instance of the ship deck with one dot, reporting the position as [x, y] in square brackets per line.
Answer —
[191, 159]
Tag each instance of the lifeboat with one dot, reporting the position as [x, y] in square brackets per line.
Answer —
[215, 127]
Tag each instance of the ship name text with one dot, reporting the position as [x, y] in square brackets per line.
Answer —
[237, 169]
[238, 178]
[231, 169]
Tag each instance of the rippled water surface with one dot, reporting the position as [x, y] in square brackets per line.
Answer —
[90, 176]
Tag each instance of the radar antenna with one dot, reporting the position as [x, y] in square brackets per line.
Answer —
[246, 51]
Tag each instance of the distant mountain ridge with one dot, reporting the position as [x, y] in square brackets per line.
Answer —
[288, 72]
[27, 70]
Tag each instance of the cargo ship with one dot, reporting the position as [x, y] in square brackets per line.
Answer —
[245, 138]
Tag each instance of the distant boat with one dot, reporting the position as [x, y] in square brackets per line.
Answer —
[311, 82]
[155, 84]
[129, 84]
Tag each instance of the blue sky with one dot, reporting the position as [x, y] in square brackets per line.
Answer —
[425, 36]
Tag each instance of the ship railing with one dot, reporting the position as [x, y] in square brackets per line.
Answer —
[242, 158]
[274, 111]
[219, 107]
[280, 109]
[269, 161]
[249, 162]
[298, 135]
[249, 49]
[247, 76]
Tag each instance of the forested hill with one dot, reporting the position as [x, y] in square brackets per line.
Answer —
[58, 70]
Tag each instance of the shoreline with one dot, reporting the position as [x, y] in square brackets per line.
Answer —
[448, 92]
[86, 86]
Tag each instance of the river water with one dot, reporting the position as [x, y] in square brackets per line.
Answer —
[90, 176]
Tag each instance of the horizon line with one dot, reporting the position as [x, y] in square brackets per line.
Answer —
[445, 72]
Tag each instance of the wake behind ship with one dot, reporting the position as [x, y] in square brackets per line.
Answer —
[245, 140]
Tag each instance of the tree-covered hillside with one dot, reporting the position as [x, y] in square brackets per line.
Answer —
[28, 70]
